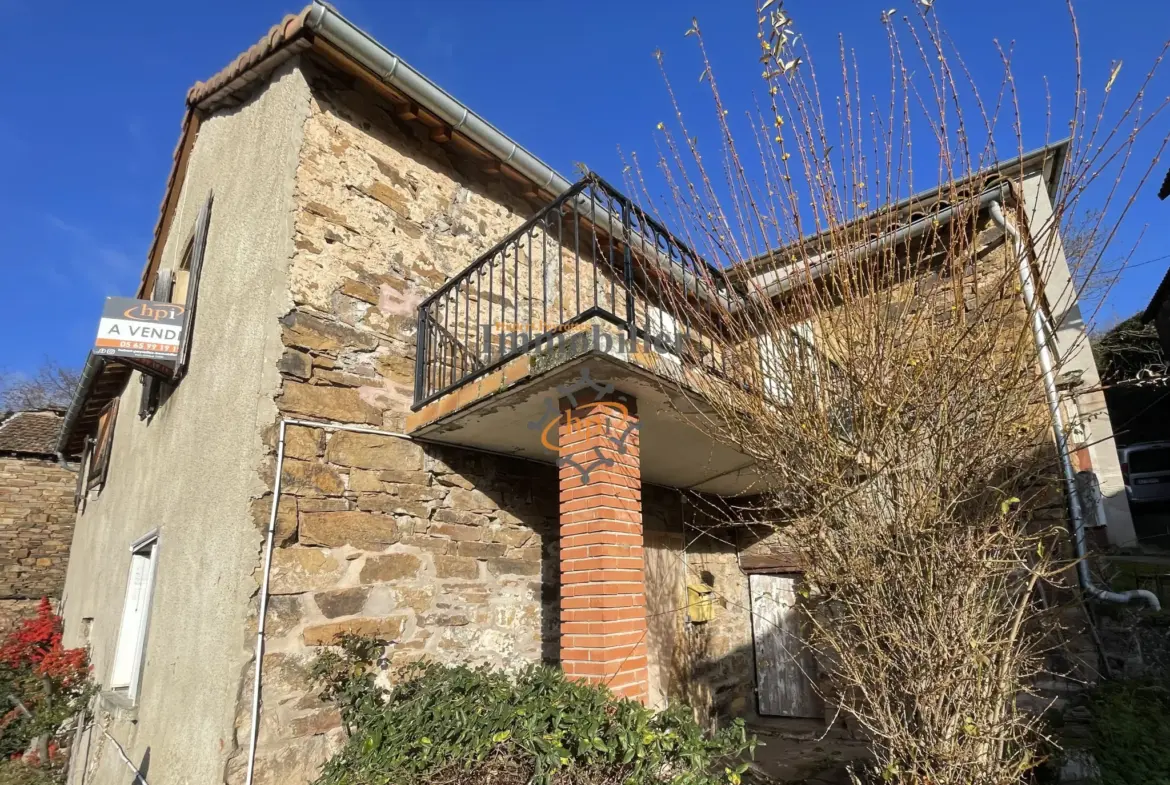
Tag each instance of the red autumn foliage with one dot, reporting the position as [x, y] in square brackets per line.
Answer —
[36, 644]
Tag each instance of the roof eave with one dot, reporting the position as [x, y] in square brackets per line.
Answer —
[1048, 159]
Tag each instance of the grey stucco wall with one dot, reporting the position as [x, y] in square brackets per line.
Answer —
[1072, 343]
[190, 472]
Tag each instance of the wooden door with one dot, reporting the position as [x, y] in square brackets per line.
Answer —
[784, 665]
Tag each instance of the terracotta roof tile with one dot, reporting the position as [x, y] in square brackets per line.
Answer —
[31, 432]
[280, 34]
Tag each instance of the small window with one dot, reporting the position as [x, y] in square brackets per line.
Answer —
[126, 674]
[183, 275]
[103, 445]
[179, 286]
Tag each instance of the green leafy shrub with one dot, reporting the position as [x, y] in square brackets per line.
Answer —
[444, 724]
[1129, 731]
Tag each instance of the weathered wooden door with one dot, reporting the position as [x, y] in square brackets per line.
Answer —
[784, 665]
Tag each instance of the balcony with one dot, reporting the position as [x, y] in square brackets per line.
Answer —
[591, 291]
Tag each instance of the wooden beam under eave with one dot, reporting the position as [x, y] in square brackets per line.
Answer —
[342, 61]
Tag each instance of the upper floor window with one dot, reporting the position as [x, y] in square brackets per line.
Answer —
[783, 355]
[181, 286]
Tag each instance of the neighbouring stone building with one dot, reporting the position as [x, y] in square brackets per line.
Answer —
[37, 509]
[324, 207]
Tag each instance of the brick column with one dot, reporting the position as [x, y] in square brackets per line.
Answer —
[603, 598]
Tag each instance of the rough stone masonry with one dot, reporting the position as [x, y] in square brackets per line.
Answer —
[443, 552]
[36, 515]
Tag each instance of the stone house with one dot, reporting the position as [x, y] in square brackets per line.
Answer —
[37, 508]
[341, 232]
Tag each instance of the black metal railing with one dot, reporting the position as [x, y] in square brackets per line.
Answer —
[591, 254]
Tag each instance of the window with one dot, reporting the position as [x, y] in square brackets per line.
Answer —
[126, 674]
[781, 355]
[178, 286]
[183, 276]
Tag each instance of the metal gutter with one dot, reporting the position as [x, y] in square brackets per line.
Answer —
[1076, 513]
[787, 277]
[1051, 156]
[393, 70]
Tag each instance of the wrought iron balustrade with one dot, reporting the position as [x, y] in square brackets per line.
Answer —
[590, 255]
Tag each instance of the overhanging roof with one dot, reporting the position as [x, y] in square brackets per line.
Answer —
[101, 381]
[320, 28]
[1049, 160]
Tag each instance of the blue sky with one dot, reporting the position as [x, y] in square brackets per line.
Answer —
[94, 96]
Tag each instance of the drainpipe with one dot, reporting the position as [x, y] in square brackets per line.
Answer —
[1047, 372]
[254, 731]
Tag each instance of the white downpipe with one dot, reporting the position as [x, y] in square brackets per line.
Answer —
[1048, 373]
[254, 730]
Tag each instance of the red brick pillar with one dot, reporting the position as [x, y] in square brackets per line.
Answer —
[603, 598]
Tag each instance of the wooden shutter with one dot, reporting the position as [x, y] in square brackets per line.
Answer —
[164, 283]
[103, 444]
[198, 247]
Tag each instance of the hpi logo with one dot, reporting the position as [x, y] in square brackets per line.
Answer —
[581, 400]
[144, 311]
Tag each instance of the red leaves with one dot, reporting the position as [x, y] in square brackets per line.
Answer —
[36, 645]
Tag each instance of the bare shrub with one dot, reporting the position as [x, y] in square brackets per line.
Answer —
[907, 445]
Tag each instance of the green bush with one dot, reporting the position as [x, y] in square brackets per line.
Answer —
[443, 724]
[1129, 731]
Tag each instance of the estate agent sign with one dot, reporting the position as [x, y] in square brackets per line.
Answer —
[143, 332]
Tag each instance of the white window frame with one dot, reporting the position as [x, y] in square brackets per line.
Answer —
[777, 349]
[130, 645]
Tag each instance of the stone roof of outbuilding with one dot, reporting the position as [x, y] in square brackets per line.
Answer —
[32, 432]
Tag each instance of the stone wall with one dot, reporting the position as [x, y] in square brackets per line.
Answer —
[36, 527]
[447, 553]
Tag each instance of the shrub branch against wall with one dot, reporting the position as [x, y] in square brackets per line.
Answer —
[889, 392]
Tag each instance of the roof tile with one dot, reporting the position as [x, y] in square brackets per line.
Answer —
[280, 34]
[31, 432]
